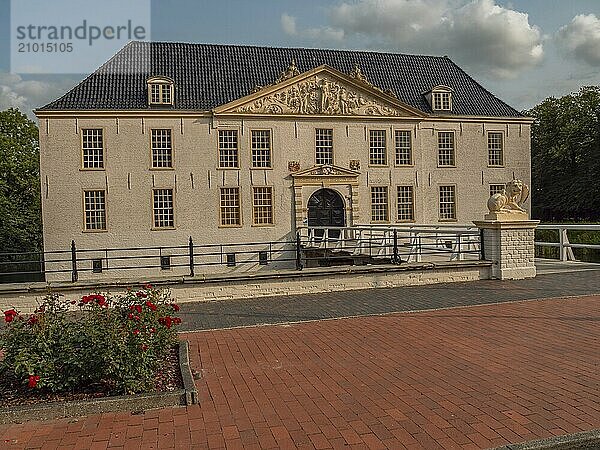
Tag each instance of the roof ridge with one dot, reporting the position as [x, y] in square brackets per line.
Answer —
[347, 50]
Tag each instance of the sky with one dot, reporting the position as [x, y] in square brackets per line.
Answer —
[523, 51]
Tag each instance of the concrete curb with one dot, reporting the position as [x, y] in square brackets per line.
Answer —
[137, 402]
[586, 440]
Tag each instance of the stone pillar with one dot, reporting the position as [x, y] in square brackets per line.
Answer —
[508, 243]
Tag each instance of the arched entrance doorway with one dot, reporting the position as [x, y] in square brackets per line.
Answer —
[326, 209]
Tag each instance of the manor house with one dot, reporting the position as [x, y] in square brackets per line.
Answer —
[229, 144]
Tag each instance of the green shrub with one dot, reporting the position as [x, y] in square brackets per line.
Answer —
[118, 342]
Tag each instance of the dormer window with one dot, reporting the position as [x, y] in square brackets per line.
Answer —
[440, 98]
[160, 91]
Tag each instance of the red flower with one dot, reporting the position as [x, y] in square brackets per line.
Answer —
[86, 299]
[138, 308]
[152, 330]
[151, 305]
[136, 318]
[32, 320]
[73, 302]
[148, 286]
[131, 307]
[33, 380]
[130, 316]
[136, 332]
[10, 315]
[101, 300]
[166, 321]
[176, 320]
[141, 294]
[175, 307]
[144, 347]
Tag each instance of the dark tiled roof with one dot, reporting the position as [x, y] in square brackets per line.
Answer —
[208, 75]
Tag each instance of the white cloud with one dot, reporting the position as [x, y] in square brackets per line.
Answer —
[581, 38]
[288, 24]
[490, 39]
[321, 35]
[26, 95]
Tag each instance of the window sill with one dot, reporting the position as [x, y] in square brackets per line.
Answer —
[230, 226]
[494, 166]
[163, 228]
[263, 225]
[447, 220]
[447, 166]
[228, 168]
[404, 165]
[161, 169]
[261, 168]
[92, 169]
[95, 231]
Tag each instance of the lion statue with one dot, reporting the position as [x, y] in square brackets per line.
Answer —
[511, 199]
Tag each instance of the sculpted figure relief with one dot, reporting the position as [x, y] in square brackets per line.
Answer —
[318, 95]
[511, 199]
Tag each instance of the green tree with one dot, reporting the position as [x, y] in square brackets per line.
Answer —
[565, 156]
[20, 209]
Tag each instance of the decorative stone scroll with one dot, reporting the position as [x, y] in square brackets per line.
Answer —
[319, 95]
[508, 204]
[354, 164]
[361, 78]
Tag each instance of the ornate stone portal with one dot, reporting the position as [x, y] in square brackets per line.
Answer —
[341, 180]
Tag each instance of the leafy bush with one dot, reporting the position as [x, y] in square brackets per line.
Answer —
[118, 342]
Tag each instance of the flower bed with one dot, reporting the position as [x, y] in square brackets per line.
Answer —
[101, 345]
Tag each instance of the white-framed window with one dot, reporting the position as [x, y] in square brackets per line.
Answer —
[230, 206]
[160, 93]
[92, 143]
[495, 149]
[261, 148]
[441, 101]
[496, 189]
[262, 205]
[379, 204]
[228, 149]
[406, 209]
[324, 146]
[163, 208]
[162, 150]
[446, 148]
[377, 148]
[447, 202]
[95, 209]
[403, 148]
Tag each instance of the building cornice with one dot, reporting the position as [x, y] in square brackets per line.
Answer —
[47, 114]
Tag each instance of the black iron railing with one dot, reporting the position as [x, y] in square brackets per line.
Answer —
[312, 246]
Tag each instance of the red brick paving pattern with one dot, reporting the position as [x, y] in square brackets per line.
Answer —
[473, 377]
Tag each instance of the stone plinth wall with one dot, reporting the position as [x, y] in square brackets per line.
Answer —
[252, 285]
[509, 245]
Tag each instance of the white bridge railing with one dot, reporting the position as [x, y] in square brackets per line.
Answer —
[400, 243]
[565, 247]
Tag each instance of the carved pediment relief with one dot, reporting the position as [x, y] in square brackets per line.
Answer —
[323, 91]
[326, 170]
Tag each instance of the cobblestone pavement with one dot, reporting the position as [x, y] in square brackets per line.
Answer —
[472, 377]
[299, 308]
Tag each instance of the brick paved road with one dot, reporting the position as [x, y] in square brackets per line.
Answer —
[298, 308]
[461, 378]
